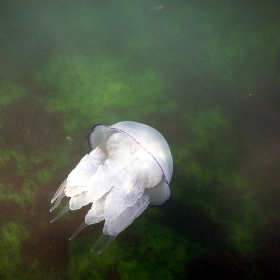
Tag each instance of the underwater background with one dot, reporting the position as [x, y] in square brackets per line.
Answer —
[206, 74]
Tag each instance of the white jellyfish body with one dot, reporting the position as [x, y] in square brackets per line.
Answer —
[129, 168]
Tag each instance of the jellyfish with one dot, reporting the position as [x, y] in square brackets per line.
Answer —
[129, 167]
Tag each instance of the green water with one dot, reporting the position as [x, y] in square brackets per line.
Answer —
[203, 73]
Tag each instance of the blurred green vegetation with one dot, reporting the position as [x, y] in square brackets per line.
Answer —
[151, 251]
[15, 165]
[209, 181]
[104, 90]
[11, 236]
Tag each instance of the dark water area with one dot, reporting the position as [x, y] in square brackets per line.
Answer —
[205, 74]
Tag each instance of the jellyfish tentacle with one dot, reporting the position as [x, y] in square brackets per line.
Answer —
[108, 242]
[98, 241]
[57, 201]
[59, 191]
[80, 228]
[64, 210]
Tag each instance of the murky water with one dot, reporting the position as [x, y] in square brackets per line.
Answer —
[206, 75]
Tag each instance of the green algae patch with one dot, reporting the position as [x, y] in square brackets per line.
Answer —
[157, 253]
[22, 175]
[242, 239]
[156, 246]
[211, 187]
[11, 236]
[84, 264]
[105, 89]
[147, 252]
[207, 155]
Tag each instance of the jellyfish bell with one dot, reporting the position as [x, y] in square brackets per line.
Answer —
[129, 167]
